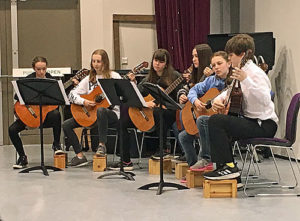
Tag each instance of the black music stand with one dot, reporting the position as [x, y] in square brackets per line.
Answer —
[163, 100]
[121, 92]
[37, 91]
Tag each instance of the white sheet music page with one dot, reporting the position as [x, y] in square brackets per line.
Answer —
[140, 96]
[16, 88]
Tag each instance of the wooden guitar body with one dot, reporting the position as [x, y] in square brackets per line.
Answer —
[190, 114]
[87, 116]
[32, 119]
[142, 118]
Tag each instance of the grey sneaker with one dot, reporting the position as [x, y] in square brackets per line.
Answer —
[77, 162]
[202, 165]
[101, 151]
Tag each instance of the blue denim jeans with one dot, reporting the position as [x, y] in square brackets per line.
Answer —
[187, 142]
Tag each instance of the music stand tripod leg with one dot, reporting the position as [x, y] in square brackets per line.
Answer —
[42, 166]
[161, 184]
[125, 175]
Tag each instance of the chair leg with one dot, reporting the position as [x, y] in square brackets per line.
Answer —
[138, 147]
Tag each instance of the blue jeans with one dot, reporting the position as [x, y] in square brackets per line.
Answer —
[187, 142]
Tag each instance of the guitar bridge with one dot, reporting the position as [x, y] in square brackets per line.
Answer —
[86, 111]
[144, 115]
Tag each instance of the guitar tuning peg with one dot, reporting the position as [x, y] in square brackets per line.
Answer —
[262, 64]
[255, 60]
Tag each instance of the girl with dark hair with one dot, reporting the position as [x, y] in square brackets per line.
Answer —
[161, 73]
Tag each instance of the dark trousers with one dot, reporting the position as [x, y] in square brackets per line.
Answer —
[105, 118]
[53, 119]
[125, 123]
[222, 128]
[169, 117]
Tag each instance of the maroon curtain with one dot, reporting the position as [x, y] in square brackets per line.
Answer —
[181, 24]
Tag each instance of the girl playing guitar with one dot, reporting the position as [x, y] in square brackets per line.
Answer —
[53, 118]
[220, 65]
[105, 117]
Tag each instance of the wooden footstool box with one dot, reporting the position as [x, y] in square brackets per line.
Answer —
[61, 160]
[154, 166]
[181, 170]
[99, 163]
[194, 178]
[220, 188]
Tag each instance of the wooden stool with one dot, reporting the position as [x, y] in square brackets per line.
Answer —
[61, 160]
[154, 166]
[220, 188]
[99, 163]
[181, 170]
[194, 179]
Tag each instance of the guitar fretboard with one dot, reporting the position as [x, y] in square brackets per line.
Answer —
[174, 85]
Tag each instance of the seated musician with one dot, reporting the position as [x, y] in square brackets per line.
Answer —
[53, 118]
[201, 55]
[258, 117]
[161, 73]
[220, 65]
[105, 117]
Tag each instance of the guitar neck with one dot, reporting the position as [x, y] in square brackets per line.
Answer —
[68, 83]
[174, 85]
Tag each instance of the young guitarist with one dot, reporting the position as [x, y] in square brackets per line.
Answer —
[258, 118]
[53, 118]
[201, 55]
[106, 117]
[220, 65]
[162, 73]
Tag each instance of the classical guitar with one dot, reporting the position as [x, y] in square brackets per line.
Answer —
[30, 114]
[87, 116]
[234, 95]
[143, 118]
[190, 114]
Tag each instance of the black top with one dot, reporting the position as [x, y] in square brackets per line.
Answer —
[173, 94]
[33, 75]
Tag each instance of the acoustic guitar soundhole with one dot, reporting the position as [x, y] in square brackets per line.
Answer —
[98, 98]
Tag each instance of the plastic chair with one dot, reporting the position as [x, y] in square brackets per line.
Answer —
[285, 143]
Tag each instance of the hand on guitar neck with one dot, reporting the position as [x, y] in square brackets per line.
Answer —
[238, 74]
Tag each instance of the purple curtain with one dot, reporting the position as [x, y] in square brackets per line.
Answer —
[181, 24]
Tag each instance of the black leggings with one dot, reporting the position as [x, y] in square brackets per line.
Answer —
[53, 119]
[224, 127]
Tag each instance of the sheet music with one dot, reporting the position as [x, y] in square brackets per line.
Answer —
[63, 92]
[16, 88]
[103, 91]
[140, 96]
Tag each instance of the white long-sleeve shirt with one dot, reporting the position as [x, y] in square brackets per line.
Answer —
[256, 88]
[86, 87]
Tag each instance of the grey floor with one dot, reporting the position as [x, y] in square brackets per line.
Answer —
[77, 194]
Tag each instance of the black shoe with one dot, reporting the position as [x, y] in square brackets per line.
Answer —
[21, 163]
[156, 156]
[223, 173]
[239, 184]
[181, 159]
[77, 162]
[117, 165]
[57, 149]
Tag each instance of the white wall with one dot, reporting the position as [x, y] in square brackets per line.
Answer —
[281, 17]
[137, 41]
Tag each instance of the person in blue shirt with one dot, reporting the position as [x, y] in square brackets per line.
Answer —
[220, 66]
